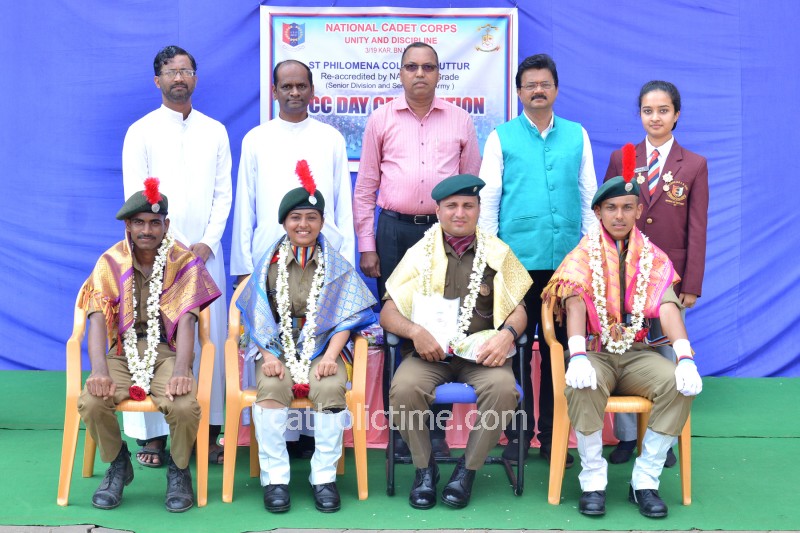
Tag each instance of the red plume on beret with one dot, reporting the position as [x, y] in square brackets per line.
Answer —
[628, 162]
[306, 179]
[151, 190]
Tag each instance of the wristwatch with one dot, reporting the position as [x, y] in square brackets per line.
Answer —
[513, 332]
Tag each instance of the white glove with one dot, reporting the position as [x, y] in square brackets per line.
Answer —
[580, 373]
[687, 379]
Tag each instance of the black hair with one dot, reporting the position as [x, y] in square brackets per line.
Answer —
[538, 62]
[167, 53]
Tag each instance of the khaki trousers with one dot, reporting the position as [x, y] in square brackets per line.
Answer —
[182, 413]
[326, 393]
[640, 371]
[412, 393]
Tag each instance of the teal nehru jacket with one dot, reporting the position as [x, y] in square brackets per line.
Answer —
[540, 206]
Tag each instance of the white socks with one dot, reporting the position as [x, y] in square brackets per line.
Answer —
[594, 469]
[650, 463]
[272, 455]
[328, 429]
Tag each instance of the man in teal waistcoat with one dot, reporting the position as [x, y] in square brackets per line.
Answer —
[540, 181]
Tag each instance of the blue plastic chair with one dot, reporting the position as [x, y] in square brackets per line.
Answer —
[449, 393]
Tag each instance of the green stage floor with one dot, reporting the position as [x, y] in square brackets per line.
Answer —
[745, 448]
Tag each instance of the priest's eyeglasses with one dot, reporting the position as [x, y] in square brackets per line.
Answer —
[184, 72]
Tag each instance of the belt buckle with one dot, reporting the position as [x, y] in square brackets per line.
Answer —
[425, 219]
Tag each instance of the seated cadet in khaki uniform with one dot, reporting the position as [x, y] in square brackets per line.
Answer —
[608, 285]
[151, 342]
[455, 260]
[299, 308]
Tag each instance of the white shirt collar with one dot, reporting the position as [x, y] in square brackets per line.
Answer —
[176, 116]
[663, 150]
[294, 126]
[547, 129]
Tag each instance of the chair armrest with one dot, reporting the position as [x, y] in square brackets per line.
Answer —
[359, 383]
[73, 362]
[391, 339]
[232, 386]
[556, 350]
[207, 354]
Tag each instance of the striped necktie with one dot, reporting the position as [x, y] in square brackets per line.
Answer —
[653, 172]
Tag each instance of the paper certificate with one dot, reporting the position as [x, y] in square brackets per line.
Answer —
[438, 315]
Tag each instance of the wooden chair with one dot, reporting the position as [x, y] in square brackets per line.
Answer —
[72, 419]
[616, 404]
[237, 399]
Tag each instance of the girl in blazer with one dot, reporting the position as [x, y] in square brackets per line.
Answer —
[674, 193]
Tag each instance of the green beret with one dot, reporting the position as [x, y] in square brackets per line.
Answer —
[138, 203]
[615, 187]
[300, 199]
[462, 185]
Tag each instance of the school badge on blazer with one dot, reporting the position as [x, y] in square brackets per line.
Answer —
[677, 191]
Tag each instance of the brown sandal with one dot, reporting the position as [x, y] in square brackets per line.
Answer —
[152, 452]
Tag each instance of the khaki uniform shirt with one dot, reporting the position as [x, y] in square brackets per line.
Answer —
[456, 285]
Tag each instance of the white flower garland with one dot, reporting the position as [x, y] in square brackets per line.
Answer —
[298, 366]
[475, 278]
[141, 368]
[628, 334]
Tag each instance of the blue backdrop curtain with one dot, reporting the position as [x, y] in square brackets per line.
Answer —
[75, 75]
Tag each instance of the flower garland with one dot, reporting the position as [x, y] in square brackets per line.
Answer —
[298, 365]
[618, 338]
[475, 279]
[141, 368]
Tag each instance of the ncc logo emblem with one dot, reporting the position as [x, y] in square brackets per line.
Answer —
[294, 34]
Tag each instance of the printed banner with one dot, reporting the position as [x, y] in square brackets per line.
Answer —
[355, 57]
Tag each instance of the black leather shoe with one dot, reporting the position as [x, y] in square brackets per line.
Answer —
[511, 450]
[544, 453]
[650, 504]
[119, 474]
[459, 489]
[593, 503]
[401, 450]
[671, 460]
[326, 497]
[423, 492]
[440, 448]
[623, 452]
[276, 498]
[180, 496]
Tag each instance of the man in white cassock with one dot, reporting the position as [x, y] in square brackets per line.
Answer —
[270, 153]
[190, 154]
